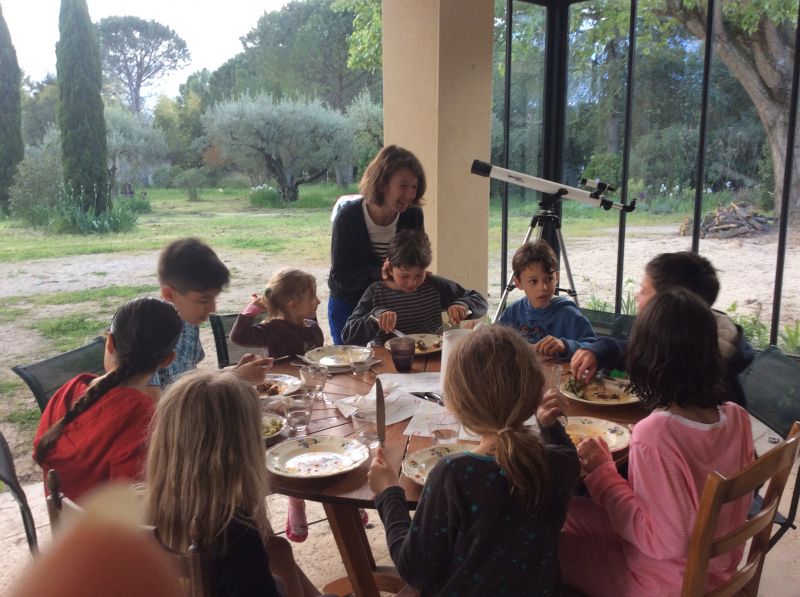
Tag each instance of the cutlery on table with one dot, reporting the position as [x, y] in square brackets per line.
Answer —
[395, 331]
[430, 397]
[381, 412]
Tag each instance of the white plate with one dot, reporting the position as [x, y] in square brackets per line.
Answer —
[268, 418]
[433, 343]
[286, 384]
[316, 456]
[602, 392]
[617, 436]
[331, 356]
[417, 465]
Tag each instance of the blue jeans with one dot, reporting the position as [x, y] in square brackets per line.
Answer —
[338, 312]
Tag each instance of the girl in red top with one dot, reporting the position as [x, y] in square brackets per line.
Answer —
[94, 429]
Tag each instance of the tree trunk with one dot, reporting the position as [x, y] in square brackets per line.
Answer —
[762, 63]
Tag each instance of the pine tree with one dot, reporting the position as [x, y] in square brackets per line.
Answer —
[80, 108]
[11, 145]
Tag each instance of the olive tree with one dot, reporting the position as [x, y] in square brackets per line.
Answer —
[134, 144]
[292, 142]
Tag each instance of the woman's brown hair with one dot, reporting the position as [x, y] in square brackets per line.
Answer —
[206, 458]
[144, 332]
[284, 286]
[673, 355]
[493, 383]
[390, 160]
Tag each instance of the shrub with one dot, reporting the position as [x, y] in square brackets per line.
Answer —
[39, 180]
[68, 218]
[191, 179]
[136, 203]
[164, 176]
[266, 197]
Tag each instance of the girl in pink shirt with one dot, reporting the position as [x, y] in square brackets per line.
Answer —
[631, 537]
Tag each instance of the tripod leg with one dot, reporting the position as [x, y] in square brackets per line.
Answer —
[566, 264]
[535, 223]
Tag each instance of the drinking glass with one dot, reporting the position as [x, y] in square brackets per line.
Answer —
[314, 378]
[297, 409]
[553, 373]
[360, 360]
[402, 350]
[366, 426]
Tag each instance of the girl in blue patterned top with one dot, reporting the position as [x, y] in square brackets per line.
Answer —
[489, 520]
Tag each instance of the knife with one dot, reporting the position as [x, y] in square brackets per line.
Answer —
[381, 411]
[396, 332]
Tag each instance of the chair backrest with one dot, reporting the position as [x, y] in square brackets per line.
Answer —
[602, 321]
[773, 467]
[46, 377]
[771, 386]
[622, 325]
[8, 475]
[228, 353]
[193, 566]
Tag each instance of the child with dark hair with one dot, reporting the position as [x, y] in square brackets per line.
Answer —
[634, 533]
[553, 324]
[489, 520]
[94, 429]
[410, 299]
[191, 277]
[675, 270]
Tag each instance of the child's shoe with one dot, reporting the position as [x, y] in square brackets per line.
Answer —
[364, 516]
[296, 522]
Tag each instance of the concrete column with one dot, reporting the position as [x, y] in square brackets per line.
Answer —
[437, 90]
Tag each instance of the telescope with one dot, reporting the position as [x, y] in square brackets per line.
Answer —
[595, 198]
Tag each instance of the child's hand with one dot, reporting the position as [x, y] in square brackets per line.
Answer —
[457, 313]
[380, 475]
[253, 368]
[387, 320]
[550, 345]
[592, 452]
[257, 301]
[551, 407]
[583, 364]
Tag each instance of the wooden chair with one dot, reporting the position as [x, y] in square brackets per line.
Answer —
[228, 353]
[46, 377]
[193, 567]
[771, 386]
[773, 467]
[8, 475]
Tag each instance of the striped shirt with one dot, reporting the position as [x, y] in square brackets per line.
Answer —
[379, 236]
[418, 312]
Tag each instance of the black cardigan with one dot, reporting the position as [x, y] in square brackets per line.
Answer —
[354, 264]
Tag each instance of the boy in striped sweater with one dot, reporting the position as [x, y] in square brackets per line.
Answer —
[409, 298]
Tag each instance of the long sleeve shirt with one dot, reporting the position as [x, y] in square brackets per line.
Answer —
[560, 319]
[277, 336]
[470, 535]
[418, 312]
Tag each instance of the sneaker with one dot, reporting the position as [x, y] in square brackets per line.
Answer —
[364, 516]
[296, 522]
[297, 533]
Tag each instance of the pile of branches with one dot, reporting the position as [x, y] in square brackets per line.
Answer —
[736, 219]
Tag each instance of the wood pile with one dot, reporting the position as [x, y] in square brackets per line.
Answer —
[736, 219]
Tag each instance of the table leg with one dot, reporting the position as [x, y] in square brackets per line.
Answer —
[364, 578]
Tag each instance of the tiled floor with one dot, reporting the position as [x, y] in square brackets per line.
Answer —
[320, 559]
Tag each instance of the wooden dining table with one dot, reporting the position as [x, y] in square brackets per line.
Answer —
[342, 495]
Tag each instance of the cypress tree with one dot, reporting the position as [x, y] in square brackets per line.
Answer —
[80, 107]
[11, 145]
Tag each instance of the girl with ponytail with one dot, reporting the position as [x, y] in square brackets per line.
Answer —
[488, 520]
[94, 429]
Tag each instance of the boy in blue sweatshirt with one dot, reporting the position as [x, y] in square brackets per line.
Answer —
[553, 324]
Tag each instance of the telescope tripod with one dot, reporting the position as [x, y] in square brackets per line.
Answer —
[539, 220]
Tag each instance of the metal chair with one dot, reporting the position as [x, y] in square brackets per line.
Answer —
[771, 385]
[193, 566]
[705, 543]
[8, 475]
[228, 353]
[602, 321]
[46, 377]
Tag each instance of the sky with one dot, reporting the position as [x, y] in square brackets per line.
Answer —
[211, 30]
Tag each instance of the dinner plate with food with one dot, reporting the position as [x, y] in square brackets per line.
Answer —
[417, 465]
[599, 392]
[616, 436]
[276, 385]
[316, 456]
[423, 343]
[341, 356]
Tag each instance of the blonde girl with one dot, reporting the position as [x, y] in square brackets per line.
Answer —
[206, 459]
[290, 305]
[94, 429]
[488, 520]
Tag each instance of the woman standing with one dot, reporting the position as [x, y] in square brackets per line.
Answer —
[392, 188]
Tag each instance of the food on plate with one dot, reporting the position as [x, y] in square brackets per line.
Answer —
[423, 346]
[272, 426]
[610, 389]
[270, 388]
